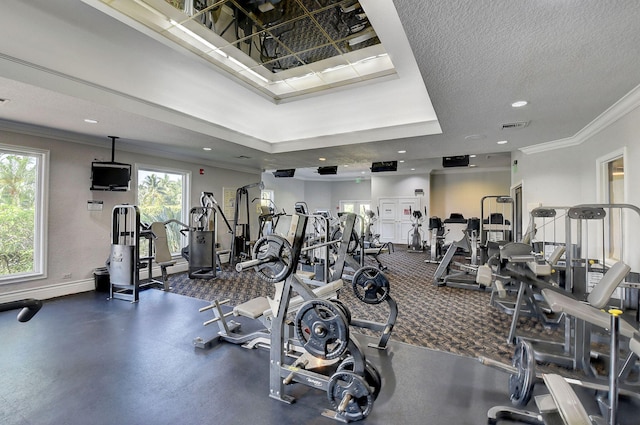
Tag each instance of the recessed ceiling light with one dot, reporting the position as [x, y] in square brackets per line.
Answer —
[472, 165]
[413, 169]
[402, 160]
[402, 151]
[206, 149]
[90, 121]
[346, 165]
[502, 142]
[519, 104]
[475, 137]
[363, 172]
[322, 159]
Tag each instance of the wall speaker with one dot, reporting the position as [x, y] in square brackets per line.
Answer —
[328, 170]
[377, 167]
[455, 161]
[284, 173]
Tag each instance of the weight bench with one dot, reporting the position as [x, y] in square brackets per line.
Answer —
[587, 314]
[563, 400]
[519, 264]
[260, 308]
[374, 252]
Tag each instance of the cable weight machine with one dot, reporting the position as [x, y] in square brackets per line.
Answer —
[240, 241]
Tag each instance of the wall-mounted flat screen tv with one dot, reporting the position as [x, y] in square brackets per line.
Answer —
[113, 176]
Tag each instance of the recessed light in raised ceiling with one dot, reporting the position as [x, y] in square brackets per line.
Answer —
[472, 156]
[413, 169]
[206, 149]
[472, 165]
[402, 151]
[401, 161]
[90, 121]
[322, 159]
[502, 142]
[519, 103]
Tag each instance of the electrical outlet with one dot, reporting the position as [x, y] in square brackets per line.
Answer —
[66, 276]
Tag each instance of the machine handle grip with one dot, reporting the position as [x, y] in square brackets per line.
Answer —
[29, 306]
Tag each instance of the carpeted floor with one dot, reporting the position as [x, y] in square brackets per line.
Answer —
[449, 319]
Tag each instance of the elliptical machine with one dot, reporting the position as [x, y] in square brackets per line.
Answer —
[436, 240]
[416, 235]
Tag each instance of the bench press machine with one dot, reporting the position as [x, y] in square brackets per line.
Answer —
[321, 333]
[562, 404]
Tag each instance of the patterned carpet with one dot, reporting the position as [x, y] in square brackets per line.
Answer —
[443, 318]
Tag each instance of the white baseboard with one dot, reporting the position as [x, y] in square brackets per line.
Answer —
[50, 291]
[68, 288]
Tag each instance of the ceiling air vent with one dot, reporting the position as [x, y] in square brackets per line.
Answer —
[514, 125]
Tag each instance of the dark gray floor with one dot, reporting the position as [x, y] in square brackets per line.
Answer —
[85, 360]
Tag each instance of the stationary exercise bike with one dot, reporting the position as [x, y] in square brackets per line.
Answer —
[416, 235]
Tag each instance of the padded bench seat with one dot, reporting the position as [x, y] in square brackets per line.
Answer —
[561, 303]
[598, 298]
[569, 406]
[260, 306]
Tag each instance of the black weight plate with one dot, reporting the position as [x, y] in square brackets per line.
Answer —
[361, 400]
[371, 374]
[322, 329]
[278, 250]
[521, 383]
[370, 285]
[343, 308]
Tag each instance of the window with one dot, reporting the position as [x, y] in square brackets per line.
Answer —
[615, 195]
[163, 194]
[356, 207]
[23, 207]
[611, 191]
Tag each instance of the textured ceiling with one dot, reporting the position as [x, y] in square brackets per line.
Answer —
[572, 60]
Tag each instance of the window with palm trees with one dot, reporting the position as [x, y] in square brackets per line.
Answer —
[22, 206]
[163, 196]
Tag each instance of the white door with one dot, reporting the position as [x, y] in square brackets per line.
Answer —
[395, 218]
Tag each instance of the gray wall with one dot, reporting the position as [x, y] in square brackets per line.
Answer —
[462, 191]
[79, 240]
[568, 176]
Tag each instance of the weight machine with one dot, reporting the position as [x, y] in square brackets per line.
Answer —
[562, 405]
[124, 262]
[322, 341]
[201, 251]
[241, 239]
[464, 275]
[584, 274]
[496, 228]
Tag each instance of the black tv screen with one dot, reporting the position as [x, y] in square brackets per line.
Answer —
[110, 176]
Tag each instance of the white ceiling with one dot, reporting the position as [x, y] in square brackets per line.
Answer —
[62, 61]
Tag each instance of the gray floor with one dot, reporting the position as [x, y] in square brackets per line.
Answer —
[85, 360]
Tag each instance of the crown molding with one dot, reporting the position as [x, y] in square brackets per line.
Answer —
[626, 104]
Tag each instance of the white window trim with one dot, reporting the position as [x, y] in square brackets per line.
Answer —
[40, 252]
[602, 173]
[602, 189]
[186, 187]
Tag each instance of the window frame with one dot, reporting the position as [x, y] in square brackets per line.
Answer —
[613, 229]
[40, 234]
[186, 192]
